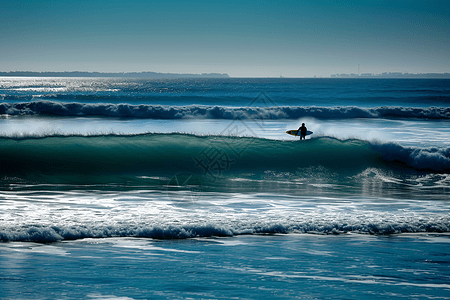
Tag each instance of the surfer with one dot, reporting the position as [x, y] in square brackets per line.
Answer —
[302, 130]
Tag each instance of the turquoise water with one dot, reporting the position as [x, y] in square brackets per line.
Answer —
[247, 267]
[191, 189]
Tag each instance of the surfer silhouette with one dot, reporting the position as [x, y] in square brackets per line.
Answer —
[302, 130]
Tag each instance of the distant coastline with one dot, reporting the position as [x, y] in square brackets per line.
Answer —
[393, 75]
[116, 75]
[157, 75]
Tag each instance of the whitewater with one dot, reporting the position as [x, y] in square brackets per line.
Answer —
[191, 189]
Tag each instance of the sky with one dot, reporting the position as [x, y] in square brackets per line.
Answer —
[299, 38]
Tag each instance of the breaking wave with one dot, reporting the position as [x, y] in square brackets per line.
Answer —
[218, 112]
[214, 156]
[364, 224]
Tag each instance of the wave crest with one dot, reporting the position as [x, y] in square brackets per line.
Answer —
[55, 233]
[218, 112]
[432, 158]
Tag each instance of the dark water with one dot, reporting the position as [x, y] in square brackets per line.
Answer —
[231, 92]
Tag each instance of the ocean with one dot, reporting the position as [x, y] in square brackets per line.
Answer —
[116, 188]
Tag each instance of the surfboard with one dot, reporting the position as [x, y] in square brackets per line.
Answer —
[295, 132]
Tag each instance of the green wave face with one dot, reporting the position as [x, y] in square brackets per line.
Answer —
[158, 154]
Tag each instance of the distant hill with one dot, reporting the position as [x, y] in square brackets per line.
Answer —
[119, 75]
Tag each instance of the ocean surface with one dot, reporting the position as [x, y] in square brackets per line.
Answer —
[191, 189]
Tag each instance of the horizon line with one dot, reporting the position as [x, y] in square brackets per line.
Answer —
[162, 75]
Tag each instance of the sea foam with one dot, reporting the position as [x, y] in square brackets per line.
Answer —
[364, 224]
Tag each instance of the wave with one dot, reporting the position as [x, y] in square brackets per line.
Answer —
[431, 158]
[218, 112]
[211, 156]
[363, 225]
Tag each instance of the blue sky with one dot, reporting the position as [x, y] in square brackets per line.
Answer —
[241, 38]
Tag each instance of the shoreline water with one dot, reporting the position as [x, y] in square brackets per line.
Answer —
[250, 267]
